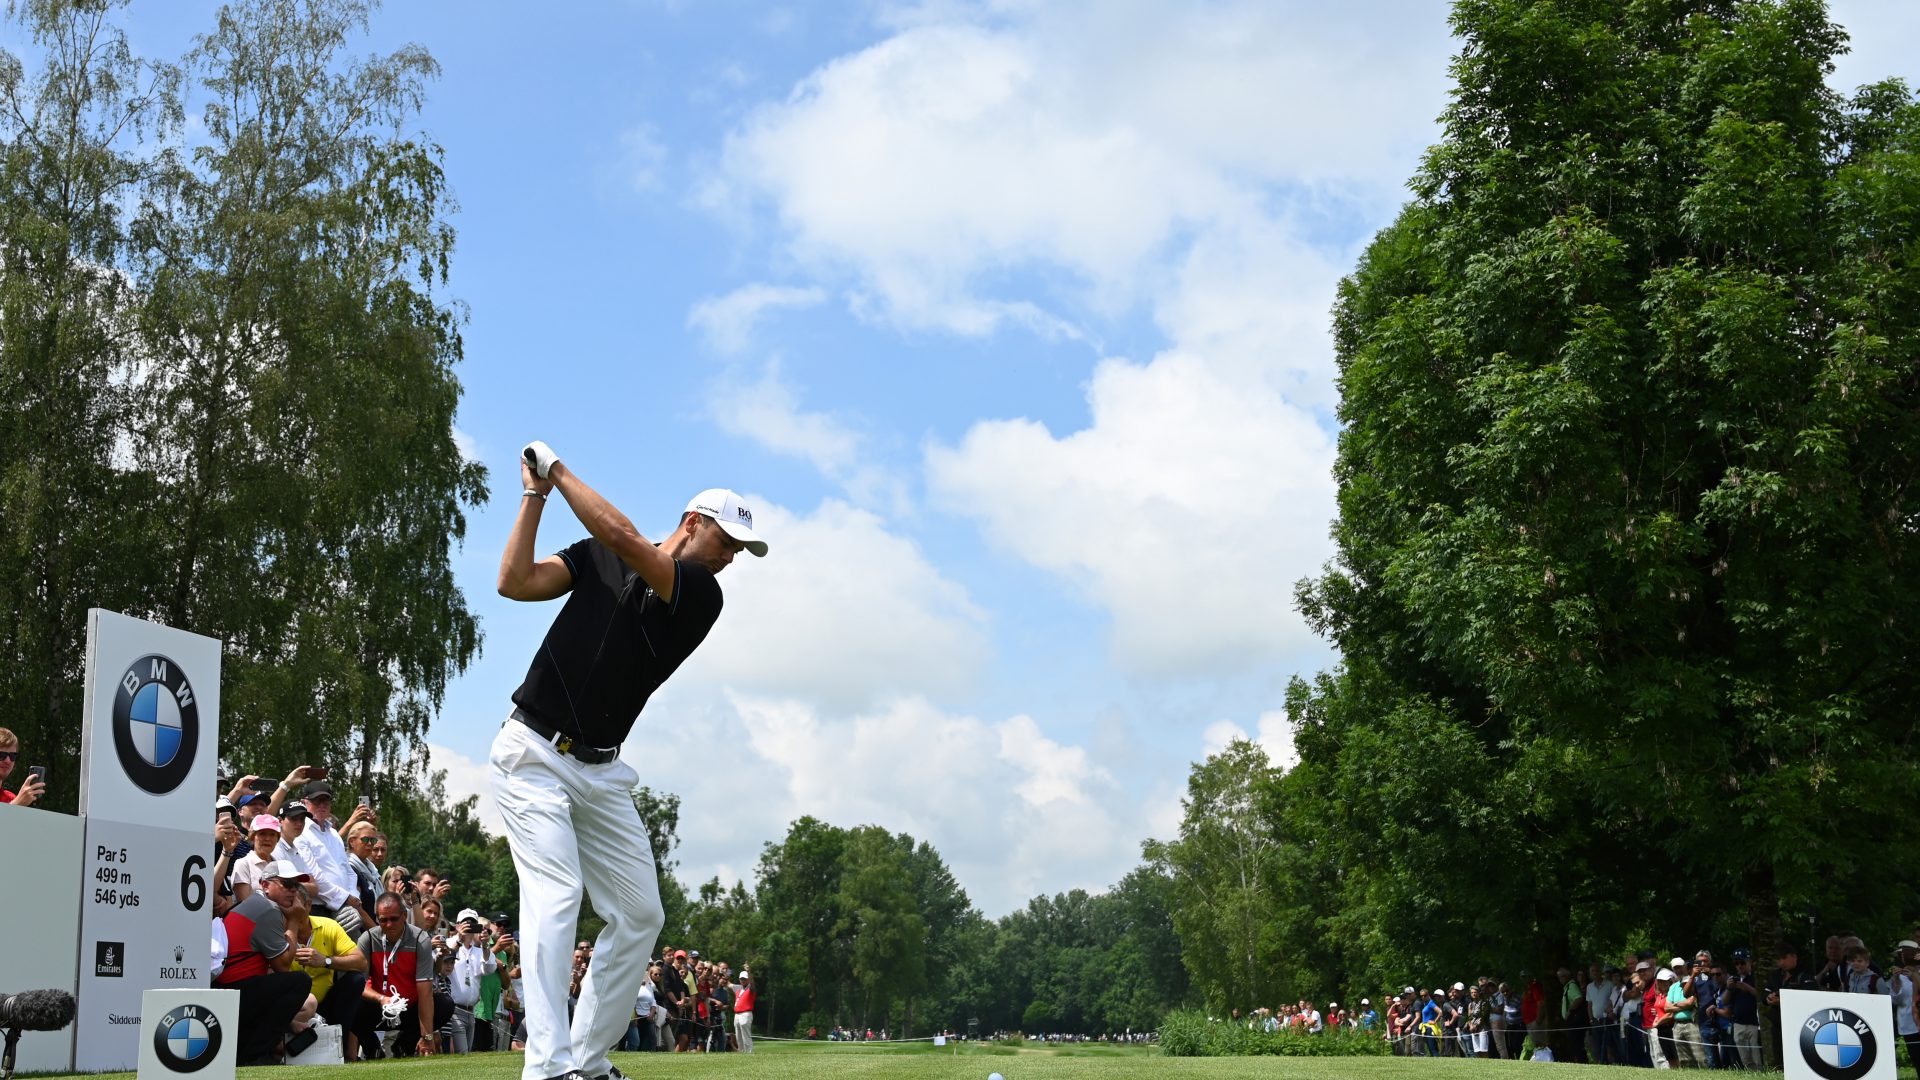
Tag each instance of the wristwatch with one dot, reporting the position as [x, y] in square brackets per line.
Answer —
[327, 961]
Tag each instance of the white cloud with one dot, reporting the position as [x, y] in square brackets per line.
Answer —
[467, 445]
[766, 409]
[842, 613]
[1187, 509]
[975, 141]
[728, 321]
[1013, 811]
[1272, 732]
[465, 777]
[1188, 158]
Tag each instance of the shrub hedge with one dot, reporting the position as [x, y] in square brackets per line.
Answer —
[1186, 1033]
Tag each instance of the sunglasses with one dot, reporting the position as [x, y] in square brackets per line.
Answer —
[9, 755]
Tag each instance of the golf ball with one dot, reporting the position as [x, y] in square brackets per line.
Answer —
[995, 1076]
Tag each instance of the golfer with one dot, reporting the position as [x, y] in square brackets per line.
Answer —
[634, 611]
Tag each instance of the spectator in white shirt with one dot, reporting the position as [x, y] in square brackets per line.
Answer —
[471, 961]
[326, 858]
[1603, 1010]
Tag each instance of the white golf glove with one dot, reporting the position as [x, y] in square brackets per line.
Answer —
[540, 456]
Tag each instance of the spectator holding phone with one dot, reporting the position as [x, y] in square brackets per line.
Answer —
[34, 786]
[471, 962]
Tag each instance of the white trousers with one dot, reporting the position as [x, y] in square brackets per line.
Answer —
[743, 1032]
[573, 826]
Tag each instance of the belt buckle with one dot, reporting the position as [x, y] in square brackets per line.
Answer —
[564, 744]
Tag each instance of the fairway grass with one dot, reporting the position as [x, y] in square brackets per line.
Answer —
[824, 1061]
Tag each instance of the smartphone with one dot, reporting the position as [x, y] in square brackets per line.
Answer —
[38, 772]
[316, 772]
[366, 802]
[264, 784]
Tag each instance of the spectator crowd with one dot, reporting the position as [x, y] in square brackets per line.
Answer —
[321, 934]
[1673, 1014]
[320, 931]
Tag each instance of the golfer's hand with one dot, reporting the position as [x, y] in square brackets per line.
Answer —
[541, 457]
[426, 1047]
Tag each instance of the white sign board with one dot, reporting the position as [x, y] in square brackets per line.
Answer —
[1828, 1036]
[40, 911]
[189, 1031]
[147, 758]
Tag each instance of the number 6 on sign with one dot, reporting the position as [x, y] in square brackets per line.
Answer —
[193, 885]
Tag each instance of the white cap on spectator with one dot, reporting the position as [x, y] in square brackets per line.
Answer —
[284, 868]
[1459, 986]
[1644, 965]
[1667, 974]
[1364, 1001]
[1908, 944]
[1678, 961]
[465, 914]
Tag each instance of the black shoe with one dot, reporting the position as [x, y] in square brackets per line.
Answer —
[613, 1073]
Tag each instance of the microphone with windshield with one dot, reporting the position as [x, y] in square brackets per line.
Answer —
[31, 1010]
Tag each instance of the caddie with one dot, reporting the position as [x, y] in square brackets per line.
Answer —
[634, 611]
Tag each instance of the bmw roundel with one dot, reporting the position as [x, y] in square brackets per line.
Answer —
[187, 1038]
[1837, 1044]
[156, 723]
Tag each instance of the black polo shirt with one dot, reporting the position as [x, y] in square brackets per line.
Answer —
[613, 644]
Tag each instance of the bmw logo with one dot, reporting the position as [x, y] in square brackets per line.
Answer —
[187, 1038]
[1837, 1045]
[156, 724]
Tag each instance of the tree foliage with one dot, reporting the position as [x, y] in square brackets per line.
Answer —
[1625, 580]
[226, 379]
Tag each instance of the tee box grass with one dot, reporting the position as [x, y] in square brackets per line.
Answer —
[826, 1061]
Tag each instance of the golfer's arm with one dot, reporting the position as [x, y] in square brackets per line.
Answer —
[612, 528]
[520, 577]
[351, 960]
[427, 1025]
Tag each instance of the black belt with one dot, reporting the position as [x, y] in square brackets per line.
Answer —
[565, 743]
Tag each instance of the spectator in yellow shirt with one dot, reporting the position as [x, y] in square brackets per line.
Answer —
[325, 952]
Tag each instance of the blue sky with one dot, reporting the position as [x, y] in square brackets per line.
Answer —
[1009, 319]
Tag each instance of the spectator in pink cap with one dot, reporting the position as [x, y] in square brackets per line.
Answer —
[265, 836]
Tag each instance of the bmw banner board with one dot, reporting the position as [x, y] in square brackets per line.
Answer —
[189, 1031]
[148, 753]
[1829, 1036]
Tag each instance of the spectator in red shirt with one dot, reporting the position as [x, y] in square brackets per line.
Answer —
[401, 959]
[260, 966]
[1657, 1014]
[1533, 1011]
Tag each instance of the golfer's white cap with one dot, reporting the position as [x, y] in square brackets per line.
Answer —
[723, 506]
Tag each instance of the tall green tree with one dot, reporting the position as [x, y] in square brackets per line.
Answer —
[882, 918]
[799, 892]
[75, 523]
[226, 376]
[1221, 869]
[301, 388]
[1626, 524]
